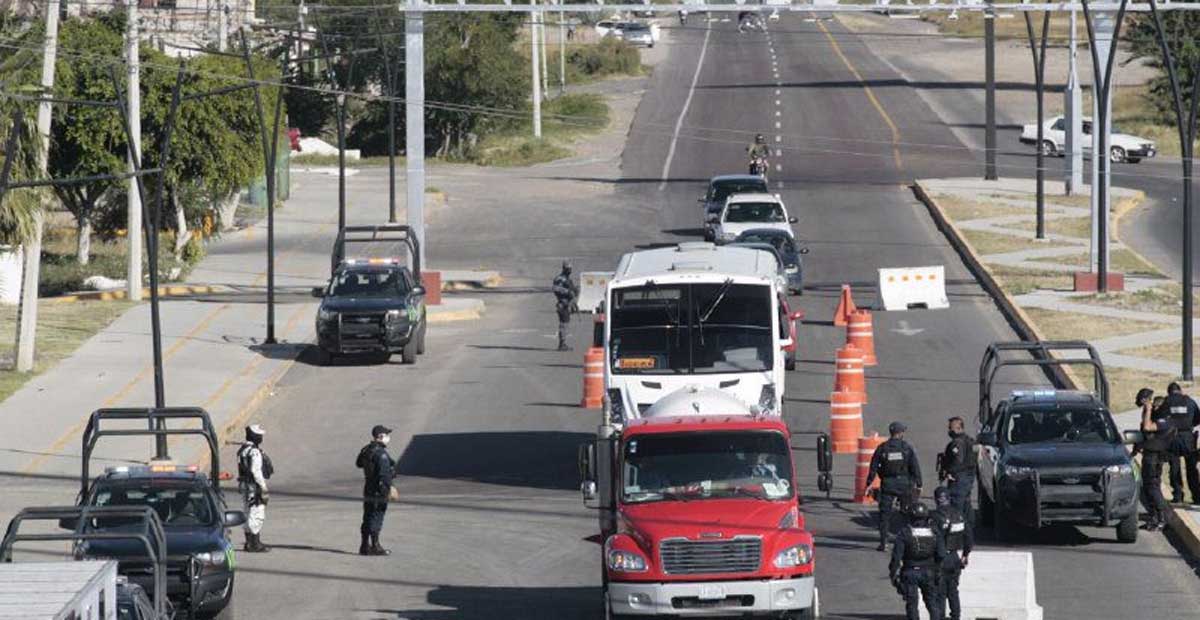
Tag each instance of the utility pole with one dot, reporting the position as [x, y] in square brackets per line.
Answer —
[223, 28]
[32, 250]
[133, 235]
[989, 139]
[414, 120]
[537, 80]
[1073, 118]
[562, 54]
[541, 22]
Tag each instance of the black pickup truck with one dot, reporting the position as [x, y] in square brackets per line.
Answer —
[1051, 455]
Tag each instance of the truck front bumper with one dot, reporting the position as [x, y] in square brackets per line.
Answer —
[1032, 502]
[710, 598]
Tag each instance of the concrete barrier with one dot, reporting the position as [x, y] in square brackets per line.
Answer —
[902, 288]
[592, 286]
[998, 585]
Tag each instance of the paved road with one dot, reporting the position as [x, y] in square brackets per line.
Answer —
[490, 524]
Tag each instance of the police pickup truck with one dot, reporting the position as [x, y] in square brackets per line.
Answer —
[1052, 456]
[372, 305]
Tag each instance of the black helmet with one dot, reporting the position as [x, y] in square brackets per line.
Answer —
[1143, 395]
[255, 433]
[760, 139]
[941, 496]
[566, 266]
[918, 510]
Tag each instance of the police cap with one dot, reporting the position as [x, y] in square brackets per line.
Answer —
[897, 427]
[380, 429]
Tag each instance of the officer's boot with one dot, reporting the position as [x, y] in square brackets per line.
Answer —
[262, 548]
[364, 548]
[249, 546]
[376, 549]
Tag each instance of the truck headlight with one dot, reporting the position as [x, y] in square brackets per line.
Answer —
[793, 557]
[393, 317]
[212, 558]
[626, 561]
[766, 398]
[1017, 471]
[326, 316]
[1123, 469]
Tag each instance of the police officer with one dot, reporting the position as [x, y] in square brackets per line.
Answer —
[895, 462]
[919, 552]
[958, 466]
[565, 294]
[378, 469]
[1185, 415]
[959, 537]
[1158, 435]
[254, 469]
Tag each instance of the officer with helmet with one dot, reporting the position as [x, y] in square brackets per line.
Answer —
[566, 292]
[1185, 415]
[895, 462]
[254, 468]
[959, 538]
[1158, 434]
[917, 556]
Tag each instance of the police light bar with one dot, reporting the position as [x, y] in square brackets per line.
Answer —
[1034, 393]
[371, 261]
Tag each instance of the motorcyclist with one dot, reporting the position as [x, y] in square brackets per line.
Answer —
[682, 17]
[758, 151]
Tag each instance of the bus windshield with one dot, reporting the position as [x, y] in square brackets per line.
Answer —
[687, 466]
[707, 328]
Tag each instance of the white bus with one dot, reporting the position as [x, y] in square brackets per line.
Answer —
[695, 314]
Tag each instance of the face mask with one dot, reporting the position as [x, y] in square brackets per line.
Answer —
[953, 434]
[385, 439]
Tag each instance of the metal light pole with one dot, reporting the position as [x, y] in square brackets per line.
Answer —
[537, 80]
[134, 200]
[414, 120]
[562, 54]
[1072, 118]
[1039, 74]
[989, 36]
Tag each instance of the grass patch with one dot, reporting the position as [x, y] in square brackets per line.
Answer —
[1121, 260]
[986, 242]
[1019, 281]
[61, 329]
[1123, 384]
[1133, 113]
[961, 210]
[1163, 299]
[61, 273]
[1168, 351]
[1078, 227]
[564, 120]
[1008, 25]
[1056, 325]
[312, 159]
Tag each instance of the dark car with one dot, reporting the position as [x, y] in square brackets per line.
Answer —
[371, 306]
[1052, 456]
[195, 520]
[719, 189]
[788, 249]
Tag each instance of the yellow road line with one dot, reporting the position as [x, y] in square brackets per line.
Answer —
[870, 95]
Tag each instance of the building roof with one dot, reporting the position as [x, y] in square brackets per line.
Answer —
[697, 258]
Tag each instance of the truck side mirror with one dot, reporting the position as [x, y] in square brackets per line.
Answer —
[233, 518]
[1132, 437]
[318, 291]
[803, 250]
[587, 456]
[824, 453]
[418, 290]
[792, 220]
[588, 489]
[986, 439]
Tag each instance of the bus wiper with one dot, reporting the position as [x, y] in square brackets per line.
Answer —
[713, 306]
[673, 317]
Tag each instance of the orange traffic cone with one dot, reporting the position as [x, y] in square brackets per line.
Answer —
[848, 373]
[845, 421]
[841, 315]
[866, 449]
[860, 333]
[593, 378]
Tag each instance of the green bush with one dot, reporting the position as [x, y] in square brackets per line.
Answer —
[608, 57]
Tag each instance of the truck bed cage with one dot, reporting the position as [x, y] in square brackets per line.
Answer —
[383, 233]
[1040, 356]
[156, 425]
[149, 533]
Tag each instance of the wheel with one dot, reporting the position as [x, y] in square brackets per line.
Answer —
[1133, 160]
[1127, 529]
[1004, 528]
[1116, 155]
[986, 508]
[324, 358]
[1048, 147]
[421, 339]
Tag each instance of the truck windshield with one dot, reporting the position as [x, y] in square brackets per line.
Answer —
[368, 283]
[1060, 426]
[176, 506]
[708, 328]
[689, 466]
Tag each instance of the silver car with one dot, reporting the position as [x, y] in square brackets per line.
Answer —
[637, 33]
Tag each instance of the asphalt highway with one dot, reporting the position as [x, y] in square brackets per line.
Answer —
[490, 522]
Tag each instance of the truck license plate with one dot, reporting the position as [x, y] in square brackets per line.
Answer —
[711, 593]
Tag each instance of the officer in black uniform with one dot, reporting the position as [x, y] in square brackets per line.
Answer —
[378, 469]
[959, 536]
[958, 467]
[1185, 415]
[1159, 434]
[919, 552]
[895, 462]
[566, 292]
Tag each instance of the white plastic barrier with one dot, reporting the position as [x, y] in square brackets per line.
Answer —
[592, 286]
[998, 585]
[913, 287]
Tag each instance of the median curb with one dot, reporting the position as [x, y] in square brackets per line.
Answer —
[1185, 529]
[173, 290]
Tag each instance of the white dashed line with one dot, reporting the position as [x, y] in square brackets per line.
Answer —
[778, 167]
[777, 102]
[779, 152]
[778, 125]
[778, 92]
[778, 113]
[779, 138]
[666, 169]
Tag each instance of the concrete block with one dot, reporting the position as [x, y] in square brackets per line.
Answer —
[999, 585]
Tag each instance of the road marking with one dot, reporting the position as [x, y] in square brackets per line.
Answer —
[779, 138]
[778, 113]
[778, 91]
[778, 167]
[778, 102]
[779, 152]
[905, 330]
[778, 125]
[666, 169]
[870, 95]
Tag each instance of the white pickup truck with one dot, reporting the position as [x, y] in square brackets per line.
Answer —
[1123, 147]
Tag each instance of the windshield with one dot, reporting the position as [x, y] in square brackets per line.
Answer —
[373, 283]
[175, 506]
[1060, 426]
[691, 329]
[746, 212]
[724, 189]
[687, 466]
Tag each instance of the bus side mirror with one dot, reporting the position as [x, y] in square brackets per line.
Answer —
[587, 456]
[824, 453]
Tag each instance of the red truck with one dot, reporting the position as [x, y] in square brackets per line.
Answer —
[699, 511]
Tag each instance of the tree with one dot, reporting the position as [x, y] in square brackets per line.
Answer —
[18, 207]
[1183, 38]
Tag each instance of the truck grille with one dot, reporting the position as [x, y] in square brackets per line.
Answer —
[689, 557]
[362, 325]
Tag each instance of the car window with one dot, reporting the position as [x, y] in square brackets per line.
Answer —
[744, 212]
[1059, 125]
[1059, 426]
[175, 506]
[368, 284]
[724, 189]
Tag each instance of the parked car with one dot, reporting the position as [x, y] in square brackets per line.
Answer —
[1123, 147]
[605, 27]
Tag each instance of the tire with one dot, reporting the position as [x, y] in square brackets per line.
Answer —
[986, 509]
[1127, 529]
[324, 358]
[1133, 160]
[1002, 526]
[1116, 155]
[421, 339]
[408, 354]
[1049, 148]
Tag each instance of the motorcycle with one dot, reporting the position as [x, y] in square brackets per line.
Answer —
[683, 18]
[759, 166]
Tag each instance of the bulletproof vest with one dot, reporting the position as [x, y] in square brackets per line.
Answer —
[893, 463]
[1176, 406]
[244, 473]
[964, 460]
[1160, 440]
[954, 528]
[920, 544]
